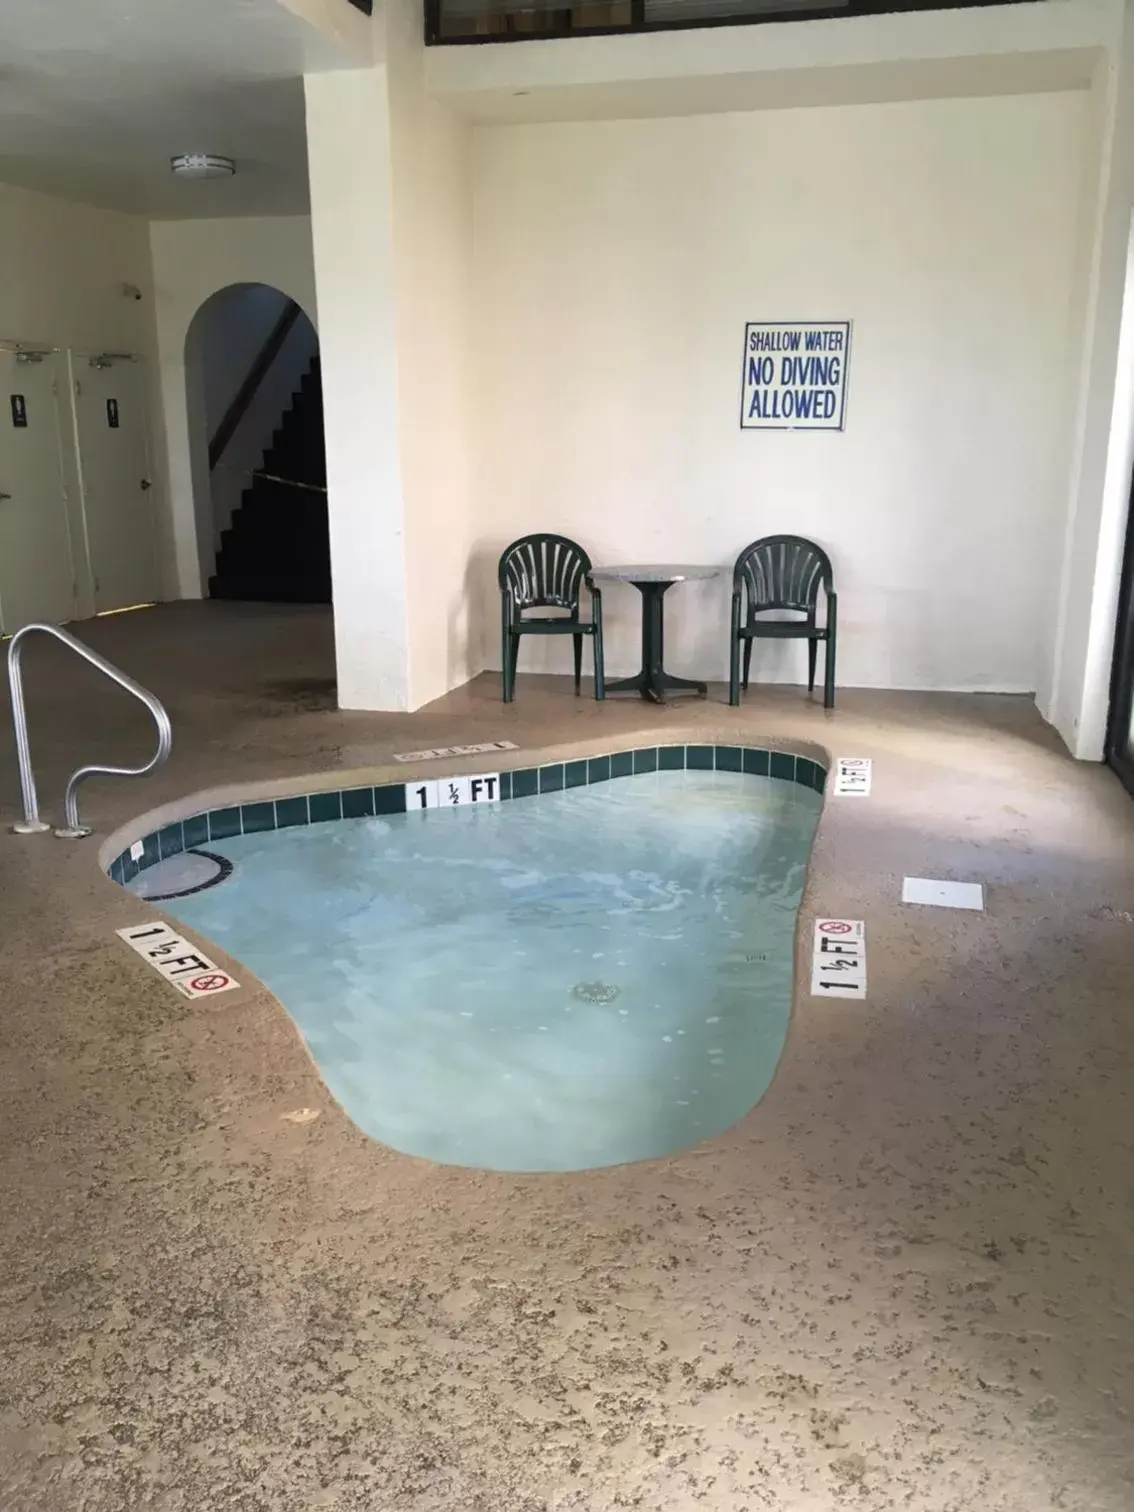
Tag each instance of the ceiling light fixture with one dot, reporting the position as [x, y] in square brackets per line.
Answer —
[202, 165]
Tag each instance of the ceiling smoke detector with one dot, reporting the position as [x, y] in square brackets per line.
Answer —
[202, 165]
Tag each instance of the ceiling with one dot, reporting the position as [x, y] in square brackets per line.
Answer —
[97, 95]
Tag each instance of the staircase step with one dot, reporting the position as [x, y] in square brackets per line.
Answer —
[276, 549]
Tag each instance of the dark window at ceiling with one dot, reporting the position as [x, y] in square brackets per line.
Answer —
[515, 20]
[366, 6]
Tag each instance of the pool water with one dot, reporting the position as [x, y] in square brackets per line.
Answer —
[549, 984]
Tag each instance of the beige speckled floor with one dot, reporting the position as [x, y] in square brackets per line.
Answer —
[904, 1281]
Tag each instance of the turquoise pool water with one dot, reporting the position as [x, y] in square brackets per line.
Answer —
[550, 984]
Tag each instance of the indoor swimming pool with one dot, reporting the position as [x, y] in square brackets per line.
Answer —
[572, 979]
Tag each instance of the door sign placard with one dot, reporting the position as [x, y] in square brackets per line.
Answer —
[19, 407]
[112, 413]
[795, 375]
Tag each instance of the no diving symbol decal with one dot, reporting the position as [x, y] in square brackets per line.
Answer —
[216, 981]
[838, 962]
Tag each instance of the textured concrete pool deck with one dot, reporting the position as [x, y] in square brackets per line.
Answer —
[903, 1281]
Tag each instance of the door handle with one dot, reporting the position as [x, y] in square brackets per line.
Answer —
[4, 496]
[146, 484]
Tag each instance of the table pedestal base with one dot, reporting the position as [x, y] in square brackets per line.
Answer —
[654, 686]
[653, 682]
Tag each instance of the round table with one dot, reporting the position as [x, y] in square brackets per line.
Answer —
[653, 682]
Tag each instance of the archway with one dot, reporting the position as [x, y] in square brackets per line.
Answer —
[255, 412]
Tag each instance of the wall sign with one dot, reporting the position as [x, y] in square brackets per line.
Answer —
[112, 413]
[19, 411]
[795, 375]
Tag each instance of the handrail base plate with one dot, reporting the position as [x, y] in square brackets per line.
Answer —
[79, 832]
[33, 827]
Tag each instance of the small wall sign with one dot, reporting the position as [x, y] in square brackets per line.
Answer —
[795, 375]
[19, 406]
[112, 413]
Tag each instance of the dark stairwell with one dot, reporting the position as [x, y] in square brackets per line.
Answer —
[277, 549]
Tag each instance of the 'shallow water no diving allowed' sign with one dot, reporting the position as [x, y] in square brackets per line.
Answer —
[795, 375]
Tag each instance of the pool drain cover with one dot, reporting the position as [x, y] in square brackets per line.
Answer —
[190, 871]
[595, 992]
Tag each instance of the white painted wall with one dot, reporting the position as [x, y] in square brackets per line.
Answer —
[615, 265]
[392, 237]
[62, 268]
[432, 198]
[193, 260]
[1074, 693]
[351, 218]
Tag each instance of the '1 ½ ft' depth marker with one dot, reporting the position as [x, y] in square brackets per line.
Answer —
[838, 965]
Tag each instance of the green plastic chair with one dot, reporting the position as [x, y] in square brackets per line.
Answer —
[547, 572]
[783, 572]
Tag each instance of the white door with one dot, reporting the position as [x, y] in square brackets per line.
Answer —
[37, 575]
[110, 417]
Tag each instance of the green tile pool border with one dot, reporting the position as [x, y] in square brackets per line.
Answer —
[263, 815]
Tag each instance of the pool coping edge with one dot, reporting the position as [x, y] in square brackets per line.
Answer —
[157, 829]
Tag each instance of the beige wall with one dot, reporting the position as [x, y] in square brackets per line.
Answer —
[1082, 590]
[192, 260]
[62, 267]
[392, 235]
[351, 215]
[432, 199]
[62, 271]
[616, 264]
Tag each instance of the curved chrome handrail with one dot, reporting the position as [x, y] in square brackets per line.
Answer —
[32, 823]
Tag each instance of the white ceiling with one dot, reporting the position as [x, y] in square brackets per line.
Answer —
[97, 95]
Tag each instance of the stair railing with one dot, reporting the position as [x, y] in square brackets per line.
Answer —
[32, 824]
[252, 381]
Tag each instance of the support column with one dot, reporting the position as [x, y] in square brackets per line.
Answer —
[1074, 693]
[348, 148]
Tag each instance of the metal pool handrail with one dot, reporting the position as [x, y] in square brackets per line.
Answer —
[32, 823]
